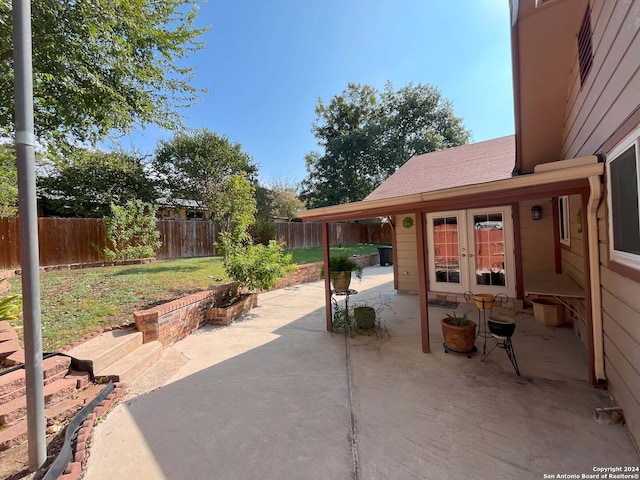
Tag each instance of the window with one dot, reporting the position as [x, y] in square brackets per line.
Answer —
[624, 208]
[563, 219]
[585, 48]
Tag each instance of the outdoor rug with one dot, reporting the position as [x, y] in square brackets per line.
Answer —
[443, 304]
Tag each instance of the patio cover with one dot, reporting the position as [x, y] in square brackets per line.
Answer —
[471, 176]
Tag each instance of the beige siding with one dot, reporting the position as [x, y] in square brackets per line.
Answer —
[621, 325]
[406, 255]
[573, 255]
[611, 92]
[536, 238]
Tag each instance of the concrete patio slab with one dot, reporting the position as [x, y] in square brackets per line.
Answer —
[275, 396]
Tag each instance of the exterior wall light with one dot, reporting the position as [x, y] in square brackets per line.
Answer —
[536, 212]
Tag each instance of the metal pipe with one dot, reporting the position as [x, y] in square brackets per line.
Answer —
[28, 222]
[595, 198]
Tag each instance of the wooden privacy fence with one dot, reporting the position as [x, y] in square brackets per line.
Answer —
[305, 235]
[82, 240]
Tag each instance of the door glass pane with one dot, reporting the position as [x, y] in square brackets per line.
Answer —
[446, 249]
[488, 230]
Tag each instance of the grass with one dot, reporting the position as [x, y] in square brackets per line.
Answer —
[314, 254]
[77, 302]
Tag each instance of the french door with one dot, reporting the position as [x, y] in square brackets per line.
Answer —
[471, 250]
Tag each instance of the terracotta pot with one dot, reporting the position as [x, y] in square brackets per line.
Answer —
[459, 339]
[340, 281]
[484, 301]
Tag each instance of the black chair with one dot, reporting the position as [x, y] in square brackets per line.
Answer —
[502, 328]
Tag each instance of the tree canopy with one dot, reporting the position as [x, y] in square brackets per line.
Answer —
[8, 181]
[285, 201]
[196, 166]
[87, 182]
[366, 135]
[102, 66]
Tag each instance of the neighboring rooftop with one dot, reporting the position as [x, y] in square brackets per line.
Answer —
[454, 167]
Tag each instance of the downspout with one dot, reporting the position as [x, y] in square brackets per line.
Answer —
[595, 198]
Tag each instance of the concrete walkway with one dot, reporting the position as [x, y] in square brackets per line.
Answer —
[275, 396]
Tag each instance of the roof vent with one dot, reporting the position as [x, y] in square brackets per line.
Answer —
[585, 48]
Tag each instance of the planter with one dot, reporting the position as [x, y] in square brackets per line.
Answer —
[501, 325]
[484, 301]
[548, 311]
[340, 281]
[459, 339]
[225, 315]
[365, 317]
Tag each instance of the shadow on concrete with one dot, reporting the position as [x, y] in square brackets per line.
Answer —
[273, 397]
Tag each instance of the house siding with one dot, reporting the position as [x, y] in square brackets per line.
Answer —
[610, 94]
[595, 113]
[621, 327]
[406, 255]
[573, 261]
[536, 237]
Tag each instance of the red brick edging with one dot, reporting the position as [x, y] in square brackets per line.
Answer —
[75, 468]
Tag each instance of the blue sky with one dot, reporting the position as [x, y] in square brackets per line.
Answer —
[265, 65]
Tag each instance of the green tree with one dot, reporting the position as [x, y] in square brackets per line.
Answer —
[102, 66]
[367, 135]
[8, 181]
[87, 182]
[195, 166]
[263, 230]
[286, 202]
[233, 206]
[132, 231]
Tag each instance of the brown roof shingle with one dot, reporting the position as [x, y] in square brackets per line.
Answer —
[454, 167]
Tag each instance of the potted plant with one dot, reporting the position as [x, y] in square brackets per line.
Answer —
[364, 316]
[459, 333]
[340, 269]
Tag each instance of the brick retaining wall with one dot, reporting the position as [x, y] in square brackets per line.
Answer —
[175, 320]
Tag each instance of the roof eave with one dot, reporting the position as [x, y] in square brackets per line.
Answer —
[576, 169]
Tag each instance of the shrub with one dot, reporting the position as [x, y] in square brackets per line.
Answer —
[132, 231]
[258, 267]
[263, 231]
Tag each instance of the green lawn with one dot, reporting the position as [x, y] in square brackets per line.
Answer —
[77, 302]
[314, 254]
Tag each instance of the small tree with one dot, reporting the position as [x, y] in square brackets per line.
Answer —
[252, 266]
[286, 202]
[233, 205]
[132, 231]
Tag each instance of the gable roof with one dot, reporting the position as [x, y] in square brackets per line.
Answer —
[453, 167]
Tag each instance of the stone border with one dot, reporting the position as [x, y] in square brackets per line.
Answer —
[4, 274]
